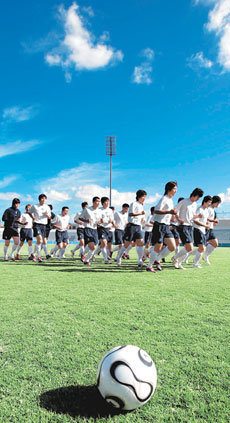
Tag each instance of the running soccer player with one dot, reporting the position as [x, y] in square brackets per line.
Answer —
[48, 229]
[120, 222]
[80, 233]
[148, 227]
[133, 229]
[41, 213]
[111, 236]
[212, 241]
[91, 216]
[26, 234]
[174, 229]
[161, 232]
[11, 218]
[186, 212]
[61, 223]
[107, 220]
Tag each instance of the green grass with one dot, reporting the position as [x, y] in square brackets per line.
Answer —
[59, 319]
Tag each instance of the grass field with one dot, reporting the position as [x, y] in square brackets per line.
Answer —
[59, 318]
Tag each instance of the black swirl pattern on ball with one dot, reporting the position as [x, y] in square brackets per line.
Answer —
[117, 400]
[144, 361]
[107, 355]
[122, 363]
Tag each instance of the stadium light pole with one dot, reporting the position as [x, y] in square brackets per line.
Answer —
[110, 144]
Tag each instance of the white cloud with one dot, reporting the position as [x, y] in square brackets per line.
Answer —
[219, 22]
[7, 181]
[225, 197]
[18, 114]
[8, 196]
[198, 60]
[17, 147]
[57, 196]
[79, 49]
[142, 74]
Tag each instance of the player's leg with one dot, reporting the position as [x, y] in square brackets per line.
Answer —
[6, 246]
[14, 247]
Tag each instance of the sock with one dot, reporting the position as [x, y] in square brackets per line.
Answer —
[192, 253]
[127, 250]
[180, 253]
[97, 249]
[104, 252]
[76, 248]
[146, 251]
[82, 250]
[39, 250]
[140, 253]
[177, 249]
[35, 249]
[115, 249]
[197, 257]
[164, 253]
[209, 250]
[54, 250]
[121, 252]
[19, 248]
[45, 249]
[154, 256]
[86, 249]
[90, 254]
[14, 247]
[61, 252]
[5, 249]
[30, 249]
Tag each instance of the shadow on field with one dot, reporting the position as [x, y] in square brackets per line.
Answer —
[84, 401]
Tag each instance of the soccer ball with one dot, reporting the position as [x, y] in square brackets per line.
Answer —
[126, 377]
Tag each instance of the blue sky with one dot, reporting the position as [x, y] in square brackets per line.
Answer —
[154, 73]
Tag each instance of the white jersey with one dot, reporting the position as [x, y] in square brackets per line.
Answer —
[121, 220]
[165, 203]
[106, 215]
[62, 221]
[79, 225]
[26, 218]
[91, 213]
[211, 215]
[135, 207]
[203, 219]
[186, 210]
[39, 212]
[149, 228]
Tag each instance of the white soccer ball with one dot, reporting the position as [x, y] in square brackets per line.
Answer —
[126, 377]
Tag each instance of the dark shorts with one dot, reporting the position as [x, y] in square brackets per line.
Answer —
[175, 231]
[91, 236]
[9, 233]
[39, 229]
[199, 237]
[148, 237]
[62, 236]
[80, 233]
[186, 234]
[160, 231]
[26, 234]
[119, 233]
[210, 234]
[110, 238]
[47, 232]
[103, 233]
[132, 232]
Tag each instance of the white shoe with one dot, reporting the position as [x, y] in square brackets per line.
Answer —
[119, 262]
[141, 264]
[197, 265]
[187, 260]
[205, 258]
[179, 266]
[5, 258]
[72, 253]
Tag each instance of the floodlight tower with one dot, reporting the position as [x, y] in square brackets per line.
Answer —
[110, 144]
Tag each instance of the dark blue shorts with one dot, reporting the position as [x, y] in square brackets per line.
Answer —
[91, 236]
[199, 237]
[148, 237]
[119, 233]
[175, 232]
[47, 232]
[62, 236]
[160, 231]
[210, 234]
[110, 238]
[186, 234]
[132, 232]
[26, 234]
[39, 229]
[9, 233]
[80, 233]
[103, 233]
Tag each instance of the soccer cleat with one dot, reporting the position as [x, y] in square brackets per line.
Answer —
[158, 265]
[119, 262]
[143, 258]
[87, 263]
[150, 269]
[39, 259]
[163, 260]
[48, 256]
[18, 256]
[72, 253]
[174, 260]
[187, 260]
[124, 256]
[179, 266]
[197, 265]
[205, 258]
[141, 264]
[127, 257]
[12, 258]
[5, 258]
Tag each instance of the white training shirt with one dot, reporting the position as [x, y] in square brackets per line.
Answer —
[150, 218]
[121, 220]
[91, 213]
[186, 210]
[61, 221]
[136, 207]
[106, 215]
[165, 203]
[38, 211]
[26, 218]
[211, 215]
[79, 225]
[203, 219]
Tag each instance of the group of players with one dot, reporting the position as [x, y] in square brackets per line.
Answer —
[166, 228]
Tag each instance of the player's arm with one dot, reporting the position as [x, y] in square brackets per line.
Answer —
[172, 211]
[205, 225]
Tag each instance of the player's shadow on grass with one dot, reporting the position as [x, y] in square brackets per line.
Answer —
[83, 401]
